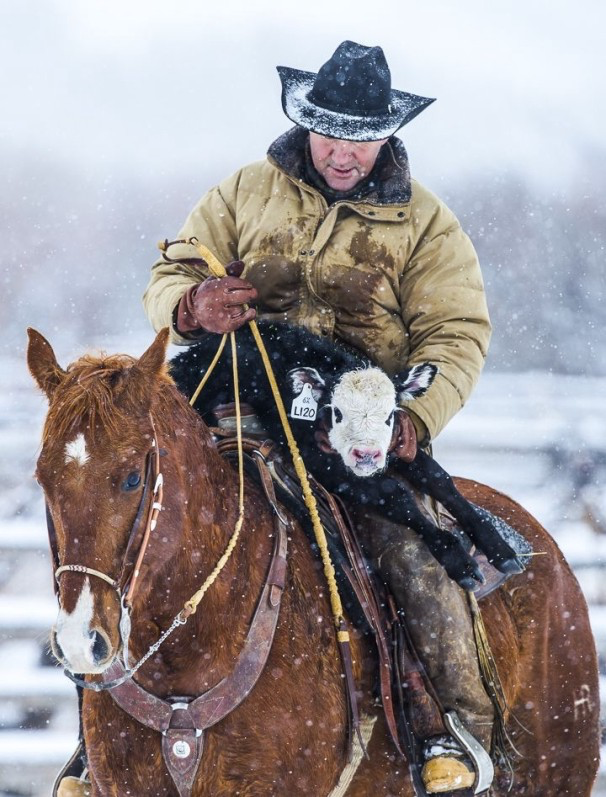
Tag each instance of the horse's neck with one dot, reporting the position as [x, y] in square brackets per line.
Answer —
[199, 516]
[200, 492]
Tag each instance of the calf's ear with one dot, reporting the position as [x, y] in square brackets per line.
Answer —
[415, 381]
[299, 377]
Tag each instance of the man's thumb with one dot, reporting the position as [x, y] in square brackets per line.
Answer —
[235, 268]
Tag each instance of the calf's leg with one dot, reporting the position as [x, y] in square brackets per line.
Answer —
[390, 498]
[427, 476]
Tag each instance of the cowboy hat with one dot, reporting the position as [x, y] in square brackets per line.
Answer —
[350, 97]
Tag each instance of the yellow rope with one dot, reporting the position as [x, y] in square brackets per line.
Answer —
[218, 270]
[209, 370]
[310, 501]
[502, 741]
[192, 604]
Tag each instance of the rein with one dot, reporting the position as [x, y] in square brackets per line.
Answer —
[189, 608]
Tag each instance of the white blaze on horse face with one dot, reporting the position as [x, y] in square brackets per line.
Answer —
[73, 634]
[363, 402]
[76, 451]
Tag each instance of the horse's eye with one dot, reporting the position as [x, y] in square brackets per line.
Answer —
[132, 481]
[338, 414]
[389, 419]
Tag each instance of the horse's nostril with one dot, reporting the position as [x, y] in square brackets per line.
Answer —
[56, 647]
[100, 649]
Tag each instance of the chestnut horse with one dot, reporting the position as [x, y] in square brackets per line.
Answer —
[288, 737]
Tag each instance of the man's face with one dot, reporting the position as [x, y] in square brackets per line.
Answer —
[342, 163]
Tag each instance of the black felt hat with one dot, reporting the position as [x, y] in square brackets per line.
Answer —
[350, 97]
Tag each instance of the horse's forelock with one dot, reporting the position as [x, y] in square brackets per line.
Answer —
[98, 392]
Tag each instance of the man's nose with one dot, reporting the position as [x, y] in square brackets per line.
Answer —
[342, 152]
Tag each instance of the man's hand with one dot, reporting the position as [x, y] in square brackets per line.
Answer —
[404, 438]
[217, 305]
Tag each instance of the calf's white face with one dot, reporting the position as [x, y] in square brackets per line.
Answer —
[363, 404]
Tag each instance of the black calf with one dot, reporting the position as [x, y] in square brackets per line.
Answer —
[292, 347]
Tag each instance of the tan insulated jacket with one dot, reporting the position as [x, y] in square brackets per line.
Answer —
[392, 274]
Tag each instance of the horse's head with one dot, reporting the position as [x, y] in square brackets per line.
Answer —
[97, 439]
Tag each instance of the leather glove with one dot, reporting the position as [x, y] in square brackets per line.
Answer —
[216, 305]
[404, 438]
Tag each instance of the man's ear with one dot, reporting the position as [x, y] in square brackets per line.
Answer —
[299, 377]
[43, 364]
[415, 381]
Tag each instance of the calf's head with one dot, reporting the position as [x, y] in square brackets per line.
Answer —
[360, 409]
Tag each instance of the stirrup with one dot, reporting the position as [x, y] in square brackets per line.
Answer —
[479, 757]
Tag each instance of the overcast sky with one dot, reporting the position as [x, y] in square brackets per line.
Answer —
[158, 87]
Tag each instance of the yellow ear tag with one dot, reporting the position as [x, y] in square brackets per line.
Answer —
[304, 406]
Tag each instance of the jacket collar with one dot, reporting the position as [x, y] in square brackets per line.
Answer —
[389, 186]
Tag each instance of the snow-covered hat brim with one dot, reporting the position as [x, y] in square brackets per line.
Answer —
[297, 86]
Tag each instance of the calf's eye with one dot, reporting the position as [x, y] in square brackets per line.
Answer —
[389, 418]
[338, 414]
[132, 481]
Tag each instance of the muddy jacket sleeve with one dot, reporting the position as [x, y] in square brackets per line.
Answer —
[444, 308]
[212, 223]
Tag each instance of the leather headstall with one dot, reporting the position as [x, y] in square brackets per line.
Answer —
[138, 537]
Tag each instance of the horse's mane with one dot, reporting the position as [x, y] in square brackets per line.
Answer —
[97, 388]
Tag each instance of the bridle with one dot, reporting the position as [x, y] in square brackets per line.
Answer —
[138, 541]
[125, 584]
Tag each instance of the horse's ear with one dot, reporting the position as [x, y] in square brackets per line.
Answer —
[42, 363]
[153, 361]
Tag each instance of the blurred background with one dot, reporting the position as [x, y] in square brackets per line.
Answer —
[117, 116]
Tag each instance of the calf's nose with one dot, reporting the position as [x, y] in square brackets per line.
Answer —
[366, 454]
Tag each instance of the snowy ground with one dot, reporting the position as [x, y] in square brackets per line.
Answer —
[538, 437]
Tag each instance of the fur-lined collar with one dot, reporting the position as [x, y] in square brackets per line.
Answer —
[389, 186]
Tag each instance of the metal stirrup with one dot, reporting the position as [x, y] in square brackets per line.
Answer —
[479, 757]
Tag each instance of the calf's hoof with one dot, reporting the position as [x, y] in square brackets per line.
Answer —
[510, 567]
